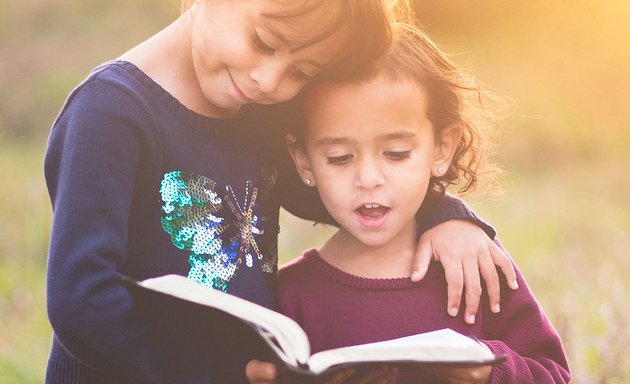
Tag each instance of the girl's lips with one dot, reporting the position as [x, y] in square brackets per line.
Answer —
[372, 215]
[238, 90]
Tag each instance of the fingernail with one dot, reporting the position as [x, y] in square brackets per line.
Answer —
[415, 276]
[470, 319]
[514, 284]
[496, 308]
[452, 311]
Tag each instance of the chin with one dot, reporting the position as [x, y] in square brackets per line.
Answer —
[372, 241]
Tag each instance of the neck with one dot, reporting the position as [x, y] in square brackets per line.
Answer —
[166, 57]
[389, 260]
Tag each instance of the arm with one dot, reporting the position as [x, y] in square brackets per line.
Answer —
[524, 336]
[435, 211]
[523, 333]
[94, 153]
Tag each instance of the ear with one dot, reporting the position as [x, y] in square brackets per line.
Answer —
[445, 147]
[302, 164]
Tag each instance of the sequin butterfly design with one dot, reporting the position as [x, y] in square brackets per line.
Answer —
[219, 229]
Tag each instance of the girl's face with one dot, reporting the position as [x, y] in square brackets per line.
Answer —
[242, 56]
[370, 150]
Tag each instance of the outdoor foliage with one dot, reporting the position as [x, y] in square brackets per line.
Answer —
[564, 214]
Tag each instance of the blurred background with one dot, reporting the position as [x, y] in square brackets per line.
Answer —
[564, 214]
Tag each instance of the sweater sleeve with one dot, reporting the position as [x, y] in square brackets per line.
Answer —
[449, 207]
[94, 152]
[523, 334]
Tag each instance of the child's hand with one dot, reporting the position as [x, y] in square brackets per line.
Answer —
[259, 372]
[377, 375]
[469, 375]
[464, 250]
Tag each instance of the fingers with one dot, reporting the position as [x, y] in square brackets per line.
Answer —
[491, 277]
[381, 375]
[473, 288]
[502, 260]
[421, 261]
[469, 375]
[259, 372]
[455, 280]
[486, 264]
[341, 376]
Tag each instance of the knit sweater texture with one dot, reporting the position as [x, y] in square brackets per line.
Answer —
[337, 309]
[141, 186]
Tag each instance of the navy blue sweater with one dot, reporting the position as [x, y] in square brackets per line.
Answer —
[141, 186]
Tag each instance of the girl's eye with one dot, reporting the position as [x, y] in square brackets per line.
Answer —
[398, 155]
[339, 160]
[260, 44]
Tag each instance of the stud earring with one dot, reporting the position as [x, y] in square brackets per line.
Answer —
[307, 181]
[440, 170]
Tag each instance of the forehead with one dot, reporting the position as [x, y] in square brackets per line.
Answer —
[370, 107]
[365, 112]
[304, 22]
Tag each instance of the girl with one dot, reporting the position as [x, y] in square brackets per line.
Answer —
[412, 124]
[158, 163]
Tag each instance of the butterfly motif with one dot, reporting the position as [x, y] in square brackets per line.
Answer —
[218, 228]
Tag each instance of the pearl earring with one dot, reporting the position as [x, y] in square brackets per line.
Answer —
[307, 181]
[440, 170]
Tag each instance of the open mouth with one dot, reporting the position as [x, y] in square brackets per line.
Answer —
[372, 215]
[372, 210]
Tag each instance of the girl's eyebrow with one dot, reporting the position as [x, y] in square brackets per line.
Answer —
[397, 135]
[331, 141]
[345, 140]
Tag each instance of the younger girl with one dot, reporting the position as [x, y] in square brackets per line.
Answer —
[369, 146]
[158, 164]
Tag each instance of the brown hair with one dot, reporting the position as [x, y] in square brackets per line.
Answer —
[368, 24]
[454, 98]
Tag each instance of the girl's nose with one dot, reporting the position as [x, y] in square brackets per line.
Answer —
[268, 75]
[369, 175]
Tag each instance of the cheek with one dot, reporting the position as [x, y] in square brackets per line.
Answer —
[329, 180]
[288, 89]
[233, 51]
[414, 182]
[334, 195]
[285, 92]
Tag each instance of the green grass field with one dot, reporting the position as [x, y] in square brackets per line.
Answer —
[564, 214]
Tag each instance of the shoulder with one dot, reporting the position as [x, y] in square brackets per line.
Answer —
[104, 125]
[114, 88]
[299, 264]
[297, 280]
[294, 271]
[112, 103]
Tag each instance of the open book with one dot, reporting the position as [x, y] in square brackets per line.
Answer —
[264, 334]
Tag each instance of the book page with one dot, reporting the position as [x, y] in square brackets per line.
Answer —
[444, 345]
[291, 339]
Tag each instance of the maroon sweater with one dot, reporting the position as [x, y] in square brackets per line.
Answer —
[338, 309]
